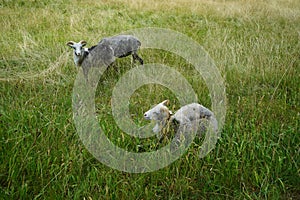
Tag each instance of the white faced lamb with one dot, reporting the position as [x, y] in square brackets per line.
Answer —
[124, 45]
[79, 53]
[160, 114]
[190, 118]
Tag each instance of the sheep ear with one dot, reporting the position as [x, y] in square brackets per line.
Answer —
[163, 110]
[70, 43]
[83, 43]
[165, 102]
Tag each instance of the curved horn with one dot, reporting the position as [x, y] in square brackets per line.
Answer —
[83, 42]
[70, 43]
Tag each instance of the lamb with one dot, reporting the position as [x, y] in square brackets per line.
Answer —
[191, 118]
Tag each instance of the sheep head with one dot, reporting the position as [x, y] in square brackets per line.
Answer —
[78, 51]
[159, 112]
[78, 47]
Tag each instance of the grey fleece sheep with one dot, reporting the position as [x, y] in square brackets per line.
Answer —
[105, 52]
[122, 46]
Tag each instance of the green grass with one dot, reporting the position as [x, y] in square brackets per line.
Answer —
[256, 47]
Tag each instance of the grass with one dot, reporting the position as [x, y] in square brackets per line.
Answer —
[255, 45]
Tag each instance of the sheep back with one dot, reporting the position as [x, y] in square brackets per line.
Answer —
[191, 112]
[122, 45]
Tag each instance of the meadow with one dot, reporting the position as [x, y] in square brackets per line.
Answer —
[255, 46]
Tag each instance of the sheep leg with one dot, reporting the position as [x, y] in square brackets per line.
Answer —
[114, 65]
[184, 136]
[135, 57]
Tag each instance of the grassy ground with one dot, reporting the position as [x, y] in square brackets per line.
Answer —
[255, 45]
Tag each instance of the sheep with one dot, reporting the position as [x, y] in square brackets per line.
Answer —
[105, 52]
[124, 45]
[79, 53]
[191, 118]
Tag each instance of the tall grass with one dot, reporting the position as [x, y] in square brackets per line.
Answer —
[255, 45]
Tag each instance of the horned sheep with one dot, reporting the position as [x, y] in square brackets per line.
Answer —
[121, 46]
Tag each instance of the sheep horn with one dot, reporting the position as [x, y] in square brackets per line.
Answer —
[70, 43]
